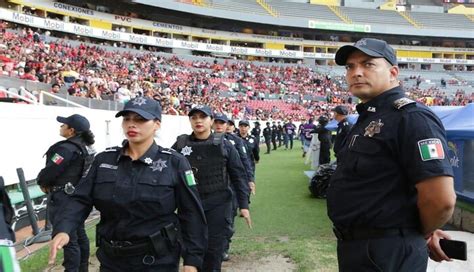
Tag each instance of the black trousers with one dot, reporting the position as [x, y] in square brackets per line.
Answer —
[274, 143]
[389, 254]
[325, 153]
[168, 262]
[280, 139]
[218, 210]
[268, 144]
[77, 251]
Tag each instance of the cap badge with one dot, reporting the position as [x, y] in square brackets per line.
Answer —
[139, 101]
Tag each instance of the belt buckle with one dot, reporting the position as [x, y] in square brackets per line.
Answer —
[69, 189]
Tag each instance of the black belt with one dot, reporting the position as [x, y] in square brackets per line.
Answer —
[126, 248]
[364, 234]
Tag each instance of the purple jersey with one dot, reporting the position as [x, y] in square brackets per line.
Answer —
[307, 129]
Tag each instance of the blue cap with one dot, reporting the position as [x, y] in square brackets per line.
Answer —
[147, 108]
[244, 123]
[341, 110]
[372, 47]
[202, 108]
[221, 117]
[75, 121]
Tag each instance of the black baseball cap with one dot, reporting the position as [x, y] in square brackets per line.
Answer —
[147, 108]
[244, 123]
[221, 117]
[341, 110]
[372, 47]
[75, 121]
[231, 122]
[202, 108]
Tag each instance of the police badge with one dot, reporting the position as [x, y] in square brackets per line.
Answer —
[373, 128]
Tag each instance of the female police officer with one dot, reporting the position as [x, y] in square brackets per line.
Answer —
[137, 188]
[215, 161]
[66, 162]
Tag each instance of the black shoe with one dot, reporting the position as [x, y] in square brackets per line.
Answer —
[225, 257]
[267, 153]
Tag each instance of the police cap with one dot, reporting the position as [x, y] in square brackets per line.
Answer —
[372, 47]
[75, 121]
[147, 108]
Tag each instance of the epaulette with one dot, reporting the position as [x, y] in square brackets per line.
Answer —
[402, 102]
[112, 149]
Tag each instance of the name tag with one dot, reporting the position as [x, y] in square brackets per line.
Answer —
[108, 166]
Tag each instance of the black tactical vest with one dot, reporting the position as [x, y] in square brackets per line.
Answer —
[208, 162]
[77, 168]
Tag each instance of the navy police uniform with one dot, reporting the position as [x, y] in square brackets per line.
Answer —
[253, 148]
[274, 135]
[267, 134]
[215, 162]
[372, 199]
[343, 128]
[256, 131]
[66, 162]
[139, 229]
[324, 137]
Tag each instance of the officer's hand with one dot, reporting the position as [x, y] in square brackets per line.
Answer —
[252, 187]
[188, 268]
[61, 239]
[245, 213]
[436, 253]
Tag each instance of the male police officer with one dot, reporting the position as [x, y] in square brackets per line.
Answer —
[267, 134]
[279, 133]
[324, 137]
[252, 147]
[274, 135]
[215, 162]
[343, 127]
[256, 131]
[393, 186]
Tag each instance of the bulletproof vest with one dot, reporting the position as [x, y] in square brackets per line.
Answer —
[208, 162]
[77, 168]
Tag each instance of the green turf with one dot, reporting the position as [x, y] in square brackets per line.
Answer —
[286, 219]
[465, 205]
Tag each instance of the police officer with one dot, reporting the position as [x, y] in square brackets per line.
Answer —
[324, 137]
[66, 162]
[214, 161]
[393, 186]
[274, 135]
[8, 260]
[343, 127]
[252, 146]
[267, 134]
[256, 131]
[220, 125]
[147, 196]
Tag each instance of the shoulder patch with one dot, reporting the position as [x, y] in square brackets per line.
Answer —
[402, 102]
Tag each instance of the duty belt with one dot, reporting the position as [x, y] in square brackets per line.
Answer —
[68, 188]
[126, 248]
[364, 234]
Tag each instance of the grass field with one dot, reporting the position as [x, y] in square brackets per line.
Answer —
[286, 220]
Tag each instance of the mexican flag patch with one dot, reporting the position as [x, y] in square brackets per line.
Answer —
[57, 159]
[190, 178]
[431, 149]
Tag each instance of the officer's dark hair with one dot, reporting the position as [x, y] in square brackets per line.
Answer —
[87, 137]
